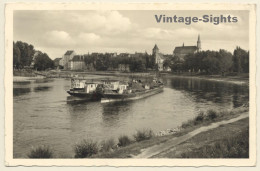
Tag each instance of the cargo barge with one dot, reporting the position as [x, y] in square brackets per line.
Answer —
[132, 92]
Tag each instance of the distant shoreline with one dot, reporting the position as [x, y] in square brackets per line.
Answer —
[238, 79]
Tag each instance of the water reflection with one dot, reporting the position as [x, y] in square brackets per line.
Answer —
[20, 91]
[43, 88]
[216, 92]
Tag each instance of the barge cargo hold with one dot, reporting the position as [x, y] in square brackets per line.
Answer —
[113, 97]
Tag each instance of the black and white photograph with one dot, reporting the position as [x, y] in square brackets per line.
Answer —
[130, 82]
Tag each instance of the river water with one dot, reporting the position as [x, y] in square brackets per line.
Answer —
[42, 115]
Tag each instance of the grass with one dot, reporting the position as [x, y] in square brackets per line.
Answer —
[229, 147]
[144, 134]
[85, 149]
[124, 140]
[41, 152]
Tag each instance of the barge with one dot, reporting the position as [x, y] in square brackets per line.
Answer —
[136, 90]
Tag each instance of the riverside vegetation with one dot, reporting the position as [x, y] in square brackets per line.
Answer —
[228, 147]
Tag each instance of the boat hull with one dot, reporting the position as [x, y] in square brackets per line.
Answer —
[129, 97]
[85, 96]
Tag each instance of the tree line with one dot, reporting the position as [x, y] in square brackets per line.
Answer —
[212, 62]
[104, 62]
[24, 55]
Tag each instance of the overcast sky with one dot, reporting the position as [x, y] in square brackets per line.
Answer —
[54, 32]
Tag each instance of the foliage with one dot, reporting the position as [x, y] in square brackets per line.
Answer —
[240, 60]
[43, 62]
[144, 134]
[41, 152]
[212, 62]
[86, 148]
[211, 114]
[107, 145]
[124, 140]
[22, 54]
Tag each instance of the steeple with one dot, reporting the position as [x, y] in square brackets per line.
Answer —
[155, 49]
[199, 43]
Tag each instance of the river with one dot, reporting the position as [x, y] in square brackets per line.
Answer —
[42, 115]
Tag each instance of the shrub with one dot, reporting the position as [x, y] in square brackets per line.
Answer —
[41, 152]
[211, 114]
[187, 123]
[143, 135]
[107, 145]
[199, 118]
[123, 141]
[85, 148]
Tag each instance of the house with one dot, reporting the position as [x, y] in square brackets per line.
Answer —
[67, 57]
[182, 51]
[77, 63]
[57, 62]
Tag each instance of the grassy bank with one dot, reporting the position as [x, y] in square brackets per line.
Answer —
[226, 141]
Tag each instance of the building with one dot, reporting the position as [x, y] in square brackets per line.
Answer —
[67, 57]
[57, 62]
[123, 67]
[77, 63]
[159, 57]
[182, 51]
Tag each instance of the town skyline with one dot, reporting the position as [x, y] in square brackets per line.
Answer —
[123, 32]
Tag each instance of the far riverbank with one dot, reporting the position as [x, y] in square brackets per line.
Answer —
[235, 79]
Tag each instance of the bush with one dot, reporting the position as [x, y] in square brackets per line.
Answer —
[107, 145]
[199, 118]
[41, 152]
[211, 114]
[143, 135]
[86, 148]
[123, 141]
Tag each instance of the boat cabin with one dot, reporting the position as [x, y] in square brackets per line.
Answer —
[77, 84]
[90, 87]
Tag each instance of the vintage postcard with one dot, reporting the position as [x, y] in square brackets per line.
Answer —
[125, 84]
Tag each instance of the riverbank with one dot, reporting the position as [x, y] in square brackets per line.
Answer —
[241, 79]
[195, 135]
[27, 79]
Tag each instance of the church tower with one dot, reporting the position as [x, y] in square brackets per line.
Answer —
[199, 43]
[155, 49]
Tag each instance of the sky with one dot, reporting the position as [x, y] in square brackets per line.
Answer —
[55, 32]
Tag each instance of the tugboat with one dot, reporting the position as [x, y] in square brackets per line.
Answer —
[81, 89]
[131, 91]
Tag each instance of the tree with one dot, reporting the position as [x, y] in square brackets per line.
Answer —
[225, 60]
[43, 62]
[16, 56]
[26, 53]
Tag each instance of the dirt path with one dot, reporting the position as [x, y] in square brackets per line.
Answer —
[156, 149]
